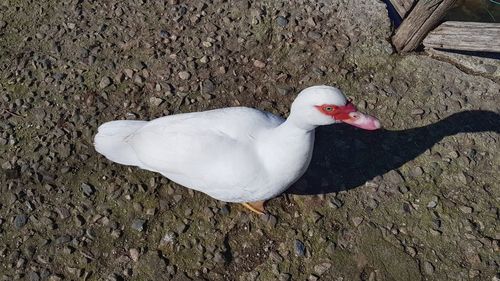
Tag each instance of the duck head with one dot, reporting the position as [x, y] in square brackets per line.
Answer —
[324, 105]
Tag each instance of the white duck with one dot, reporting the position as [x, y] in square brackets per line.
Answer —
[235, 154]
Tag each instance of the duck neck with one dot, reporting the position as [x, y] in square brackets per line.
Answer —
[288, 148]
[293, 124]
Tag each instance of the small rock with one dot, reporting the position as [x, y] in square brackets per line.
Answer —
[314, 35]
[312, 277]
[87, 189]
[322, 268]
[281, 21]
[466, 209]
[33, 276]
[487, 67]
[428, 268]
[105, 82]
[138, 79]
[394, 177]
[134, 254]
[154, 101]
[284, 91]
[259, 64]
[357, 221]
[20, 221]
[129, 73]
[285, 277]
[417, 171]
[208, 86]
[184, 75]
[62, 239]
[433, 202]
[335, 203]
[330, 249]
[270, 219]
[204, 59]
[138, 224]
[417, 111]
[411, 251]
[3, 24]
[167, 239]
[300, 248]
[164, 34]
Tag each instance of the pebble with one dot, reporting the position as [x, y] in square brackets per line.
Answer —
[357, 221]
[284, 91]
[155, 101]
[33, 276]
[184, 75]
[259, 64]
[466, 209]
[20, 221]
[312, 277]
[433, 202]
[87, 189]
[330, 248]
[314, 35]
[300, 248]
[417, 111]
[281, 21]
[320, 269]
[270, 219]
[428, 268]
[208, 86]
[285, 277]
[134, 254]
[105, 82]
[138, 224]
[3, 24]
[394, 177]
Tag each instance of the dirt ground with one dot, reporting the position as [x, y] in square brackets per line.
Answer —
[418, 200]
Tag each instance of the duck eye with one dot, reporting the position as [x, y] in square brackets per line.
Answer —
[328, 108]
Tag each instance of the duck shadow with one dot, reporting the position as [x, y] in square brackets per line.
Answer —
[345, 157]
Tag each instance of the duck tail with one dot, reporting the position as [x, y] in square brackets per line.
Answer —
[110, 141]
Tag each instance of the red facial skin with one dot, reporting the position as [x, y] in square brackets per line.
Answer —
[338, 112]
[348, 114]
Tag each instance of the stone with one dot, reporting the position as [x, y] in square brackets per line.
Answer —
[138, 224]
[20, 221]
[134, 254]
[87, 189]
[184, 75]
[314, 35]
[105, 82]
[259, 64]
[321, 268]
[394, 177]
[281, 21]
[300, 248]
[428, 268]
[208, 86]
[155, 101]
[466, 209]
[357, 221]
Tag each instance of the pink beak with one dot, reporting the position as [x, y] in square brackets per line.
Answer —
[362, 121]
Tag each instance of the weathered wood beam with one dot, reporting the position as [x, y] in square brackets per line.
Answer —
[423, 17]
[465, 36]
[402, 6]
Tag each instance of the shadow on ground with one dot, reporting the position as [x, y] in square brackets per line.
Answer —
[345, 157]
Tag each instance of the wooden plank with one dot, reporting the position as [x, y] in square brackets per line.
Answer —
[465, 36]
[402, 6]
[423, 18]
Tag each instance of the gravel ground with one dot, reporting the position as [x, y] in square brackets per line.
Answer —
[416, 201]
